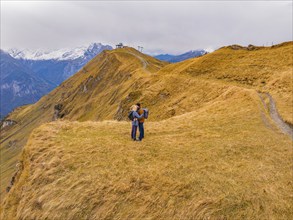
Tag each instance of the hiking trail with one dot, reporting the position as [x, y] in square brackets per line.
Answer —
[285, 127]
[144, 62]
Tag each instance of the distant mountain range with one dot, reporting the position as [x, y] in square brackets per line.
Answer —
[19, 84]
[27, 75]
[178, 58]
[58, 65]
[82, 52]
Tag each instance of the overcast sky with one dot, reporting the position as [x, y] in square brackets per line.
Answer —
[160, 27]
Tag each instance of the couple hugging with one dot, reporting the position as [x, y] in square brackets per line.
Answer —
[137, 115]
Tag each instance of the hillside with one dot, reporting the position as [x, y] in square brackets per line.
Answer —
[210, 130]
[188, 167]
[267, 69]
[27, 75]
[91, 94]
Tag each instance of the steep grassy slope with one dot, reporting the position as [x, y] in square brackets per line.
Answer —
[93, 93]
[263, 68]
[198, 165]
[108, 85]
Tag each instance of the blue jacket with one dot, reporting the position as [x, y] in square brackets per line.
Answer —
[136, 116]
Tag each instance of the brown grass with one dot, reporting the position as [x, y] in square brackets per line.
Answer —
[211, 149]
[199, 165]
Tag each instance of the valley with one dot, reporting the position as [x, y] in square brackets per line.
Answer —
[27, 75]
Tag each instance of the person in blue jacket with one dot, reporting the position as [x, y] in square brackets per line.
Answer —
[135, 122]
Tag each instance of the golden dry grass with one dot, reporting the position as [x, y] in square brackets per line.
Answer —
[199, 165]
[109, 78]
[268, 69]
[206, 117]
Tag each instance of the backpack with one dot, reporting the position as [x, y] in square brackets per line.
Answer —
[145, 113]
[130, 115]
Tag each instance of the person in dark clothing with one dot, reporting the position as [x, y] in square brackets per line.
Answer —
[135, 123]
[140, 122]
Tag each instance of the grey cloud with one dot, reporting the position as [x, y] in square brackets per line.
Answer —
[162, 26]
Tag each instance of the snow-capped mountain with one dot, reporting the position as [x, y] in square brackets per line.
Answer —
[56, 66]
[18, 84]
[27, 75]
[60, 54]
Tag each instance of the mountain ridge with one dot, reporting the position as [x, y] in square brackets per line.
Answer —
[59, 54]
[49, 68]
[205, 111]
[181, 57]
[19, 84]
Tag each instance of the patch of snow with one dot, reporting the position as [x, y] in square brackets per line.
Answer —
[5, 86]
[209, 50]
[16, 88]
[60, 54]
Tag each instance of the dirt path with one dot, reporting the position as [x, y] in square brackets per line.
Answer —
[144, 62]
[275, 116]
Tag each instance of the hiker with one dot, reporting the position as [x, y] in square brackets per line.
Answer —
[134, 116]
[140, 122]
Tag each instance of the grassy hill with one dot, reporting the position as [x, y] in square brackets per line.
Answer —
[94, 93]
[188, 167]
[262, 68]
[212, 149]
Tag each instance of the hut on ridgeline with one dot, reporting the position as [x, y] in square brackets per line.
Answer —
[120, 45]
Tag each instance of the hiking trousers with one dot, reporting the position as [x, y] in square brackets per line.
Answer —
[141, 130]
[133, 132]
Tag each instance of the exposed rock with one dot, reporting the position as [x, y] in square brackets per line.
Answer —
[11, 144]
[84, 88]
[120, 112]
[236, 47]
[7, 123]
[125, 104]
[84, 70]
[12, 181]
[57, 112]
[86, 85]
[252, 47]
[98, 78]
